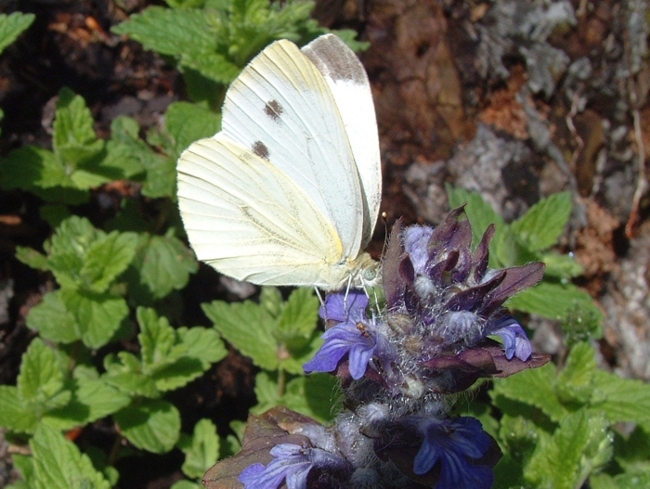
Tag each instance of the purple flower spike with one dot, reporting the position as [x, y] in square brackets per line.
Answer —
[514, 337]
[454, 443]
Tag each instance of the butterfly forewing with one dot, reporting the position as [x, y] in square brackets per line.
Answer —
[282, 109]
[249, 220]
[348, 82]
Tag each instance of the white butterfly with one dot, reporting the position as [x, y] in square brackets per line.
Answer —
[288, 192]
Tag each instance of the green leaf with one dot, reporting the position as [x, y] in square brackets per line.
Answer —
[533, 387]
[297, 323]
[561, 266]
[622, 400]
[31, 258]
[161, 264]
[555, 301]
[170, 32]
[124, 371]
[203, 345]
[315, 395]
[201, 450]
[157, 338]
[161, 177]
[125, 150]
[58, 463]
[575, 449]
[53, 320]
[14, 415]
[67, 249]
[106, 258]
[92, 399]
[196, 359]
[154, 425]
[543, 224]
[575, 381]
[73, 137]
[11, 26]
[248, 327]
[187, 123]
[41, 380]
[98, 316]
[33, 168]
[632, 480]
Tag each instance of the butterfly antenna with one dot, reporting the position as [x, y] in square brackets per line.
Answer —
[320, 297]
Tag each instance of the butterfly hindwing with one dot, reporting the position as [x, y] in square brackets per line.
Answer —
[248, 219]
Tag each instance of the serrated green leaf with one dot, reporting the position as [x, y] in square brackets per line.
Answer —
[565, 461]
[32, 168]
[25, 465]
[297, 322]
[201, 450]
[161, 264]
[92, 399]
[315, 395]
[106, 258]
[14, 415]
[543, 224]
[170, 32]
[561, 266]
[58, 463]
[31, 258]
[67, 248]
[11, 26]
[161, 177]
[153, 425]
[158, 342]
[41, 380]
[622, 400]
[187, 123]
[248, 327]
[98, 316]
[73, 137]
[575, 381]
[124, 371]
[633, 480]
[533, 387]
[53, 321]
[555, 301]
[203, 345]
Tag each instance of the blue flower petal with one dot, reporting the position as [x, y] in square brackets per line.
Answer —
[514, 337]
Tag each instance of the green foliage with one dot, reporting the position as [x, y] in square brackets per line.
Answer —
[212, 41]
[56, 463]
[11, 26]
[530, 238]
[558, 428]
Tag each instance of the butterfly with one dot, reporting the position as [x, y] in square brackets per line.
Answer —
[288, 192]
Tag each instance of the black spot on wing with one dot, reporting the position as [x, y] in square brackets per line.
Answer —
[274, 110]
[261, 150]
